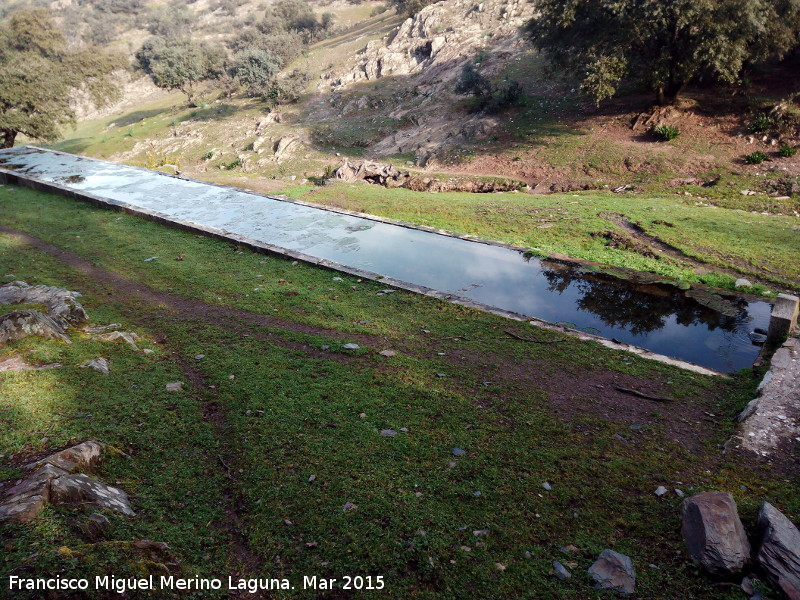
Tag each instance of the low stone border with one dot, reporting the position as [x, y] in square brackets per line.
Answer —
[773, 417]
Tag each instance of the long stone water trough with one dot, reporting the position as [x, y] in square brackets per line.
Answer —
[699, 328]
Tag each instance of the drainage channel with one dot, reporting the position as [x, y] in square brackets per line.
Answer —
[650, 316]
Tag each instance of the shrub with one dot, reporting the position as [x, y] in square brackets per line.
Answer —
[787, 151]
[665, 133]
[488, 97]
[470, 82]
[756, 158]
[761, 123]
[411, 7]
[256, 69]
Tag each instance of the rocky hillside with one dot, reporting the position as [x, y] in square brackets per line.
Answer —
[421, 62]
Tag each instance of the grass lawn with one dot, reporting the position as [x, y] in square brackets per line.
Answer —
[247, 471]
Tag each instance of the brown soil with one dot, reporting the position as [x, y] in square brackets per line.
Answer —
[717, 127]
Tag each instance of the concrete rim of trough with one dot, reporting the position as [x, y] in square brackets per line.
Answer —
[10, 176]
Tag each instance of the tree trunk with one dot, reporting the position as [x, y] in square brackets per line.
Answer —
[669, 92]
[9, 136]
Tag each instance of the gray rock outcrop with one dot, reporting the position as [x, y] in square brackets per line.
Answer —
[63, 311]
[713, 533]
[371, 172]
[53, 480]
[779, 553]
[613, 571]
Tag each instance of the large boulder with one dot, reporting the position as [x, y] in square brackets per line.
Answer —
[613, 571]
[779, 553]
[713, 532]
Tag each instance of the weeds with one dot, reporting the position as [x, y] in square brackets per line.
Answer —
[666, 133]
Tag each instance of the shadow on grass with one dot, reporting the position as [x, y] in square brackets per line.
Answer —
[137, 116]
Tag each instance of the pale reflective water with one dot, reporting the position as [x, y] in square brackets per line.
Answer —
[655, 316]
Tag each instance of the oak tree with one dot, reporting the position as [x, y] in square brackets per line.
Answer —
[662, 45]
[39, 74]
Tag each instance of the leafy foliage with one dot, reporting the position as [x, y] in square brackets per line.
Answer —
[662, 45]
[487, 96]
[756, 158]
[665, 132]
[411, 7]
[761, 123]
[180, 64]
[38, 73]
[256, 70]
[787, 151]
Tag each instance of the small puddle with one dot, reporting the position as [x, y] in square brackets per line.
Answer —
[699, 326]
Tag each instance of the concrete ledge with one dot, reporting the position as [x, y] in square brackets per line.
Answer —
[772, 419]
[18, 178]
[784, 317]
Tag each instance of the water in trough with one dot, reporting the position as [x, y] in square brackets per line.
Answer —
[708, 329]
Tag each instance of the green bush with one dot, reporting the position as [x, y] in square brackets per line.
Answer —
[487, 96]
[761, 123]
[756, 158]
[665, 133]
[787, 151]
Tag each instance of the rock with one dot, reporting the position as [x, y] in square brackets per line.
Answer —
[613, 571]
[22, 509]
[779, 553]
[175, 386]
[24, 500]
[561, 571]
[98, 364]
[546, 485]
[78, 489]
[679, 493]
[371, 172]
[63, 311]
[95, 527]
[83, 456]
[480, 532]
[23, 323]
[713, 533]
[742, 283]
[199, 356]
[126, 336]
[102, 328]
[748, 410]
[17, 363]
[351, 346]
[388, 432]
[387, 353]
[660, 491]
[458, 451]
[286, 146]
[348, 506]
